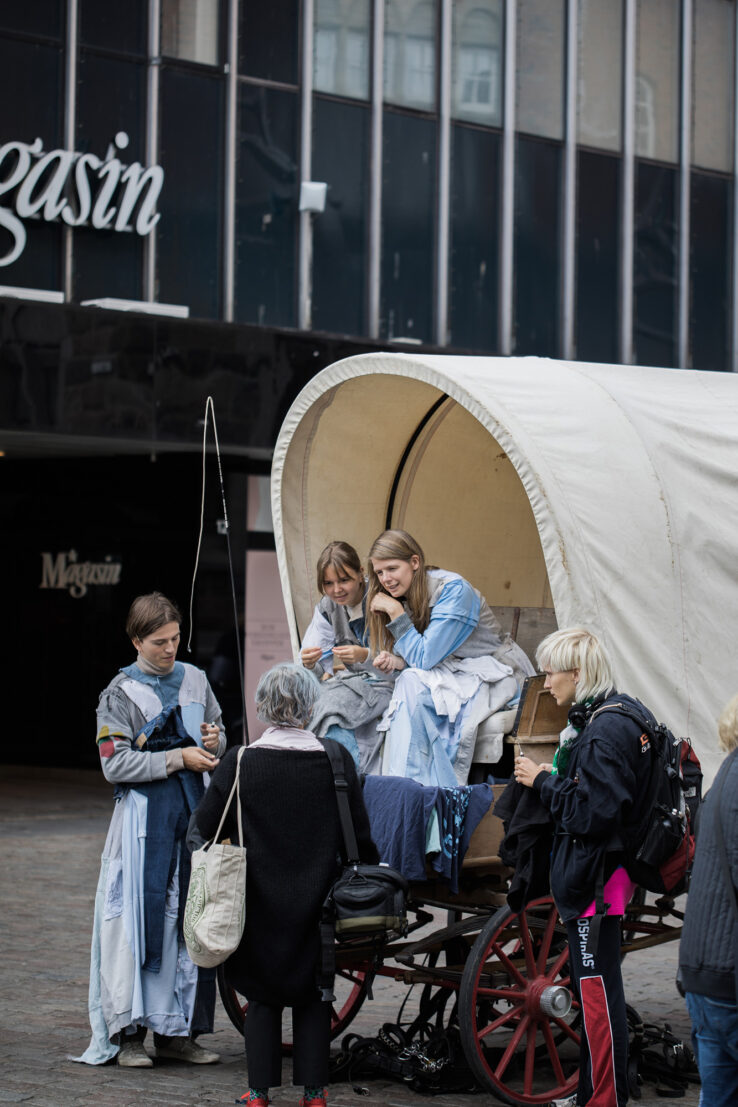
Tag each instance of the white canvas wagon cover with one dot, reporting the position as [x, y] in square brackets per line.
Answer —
[608, 493]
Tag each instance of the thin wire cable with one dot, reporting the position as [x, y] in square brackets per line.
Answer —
[210, 409]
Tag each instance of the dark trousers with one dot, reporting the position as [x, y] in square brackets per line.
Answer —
[311, 1030]
[598, 982]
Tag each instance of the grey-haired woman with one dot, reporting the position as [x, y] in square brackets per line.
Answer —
[293, 837]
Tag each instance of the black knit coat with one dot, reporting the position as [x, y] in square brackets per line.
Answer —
[295, 851]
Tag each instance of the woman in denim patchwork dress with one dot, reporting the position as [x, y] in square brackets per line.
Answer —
[158, 734]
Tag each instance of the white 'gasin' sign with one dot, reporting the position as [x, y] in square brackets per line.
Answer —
[81, 189]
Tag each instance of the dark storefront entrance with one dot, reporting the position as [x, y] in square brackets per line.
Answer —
[82, 538]
[101, 428]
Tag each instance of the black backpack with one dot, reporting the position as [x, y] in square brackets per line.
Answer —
[659, 847]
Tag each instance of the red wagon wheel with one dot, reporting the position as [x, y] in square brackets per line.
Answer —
[517, 1015]
[350, 989]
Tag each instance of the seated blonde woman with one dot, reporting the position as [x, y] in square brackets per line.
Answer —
[455, 665]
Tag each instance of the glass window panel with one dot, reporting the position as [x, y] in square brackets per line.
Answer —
[42, 17]
[657, 80]
[266, 206]
[597, 263]
[655, 268]
[31, 80]
[189, 232]
[536, 245]
[477, 61]
[540, 68]
[600, 85]
[341, 47]
[474, 283]
[189, 30]
[119, 27]
[107, 263]
[410, 53]
[712, 89]
[408, 205]
[709, 271]
[268, 39]
[103, 81]
[341, 158]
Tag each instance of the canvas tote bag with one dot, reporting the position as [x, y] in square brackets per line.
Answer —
[215, 909]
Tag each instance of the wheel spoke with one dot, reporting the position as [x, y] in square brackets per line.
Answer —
[553, 1053]
[558, 964]
[530, 961]
[530, 1053]
[512, 1046]
[568, 1030]
[547, 939]
[508, 964]
[507, 1016]
[510, 994]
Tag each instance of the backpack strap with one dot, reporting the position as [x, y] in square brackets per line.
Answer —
[327, 965]
[344, 811]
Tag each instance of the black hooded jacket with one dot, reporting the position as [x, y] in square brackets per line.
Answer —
[595, 801]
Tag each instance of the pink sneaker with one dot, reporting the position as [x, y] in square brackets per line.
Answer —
[314, 1101]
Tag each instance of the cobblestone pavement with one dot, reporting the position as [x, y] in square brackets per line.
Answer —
[52, 828]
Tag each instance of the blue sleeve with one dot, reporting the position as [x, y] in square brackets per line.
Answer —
[453, 618]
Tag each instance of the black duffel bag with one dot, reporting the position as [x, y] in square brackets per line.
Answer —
[367, 901]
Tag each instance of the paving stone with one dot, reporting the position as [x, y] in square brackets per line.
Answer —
[53, 825]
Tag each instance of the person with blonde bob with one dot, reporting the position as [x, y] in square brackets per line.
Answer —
[455, 665]
[708, 950]
[292, 834]
[595, 791]
[354, 694]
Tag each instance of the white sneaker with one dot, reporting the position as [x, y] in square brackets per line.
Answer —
[132, 1055]
[184, 1049]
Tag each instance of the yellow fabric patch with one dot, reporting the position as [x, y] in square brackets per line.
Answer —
[105, 732]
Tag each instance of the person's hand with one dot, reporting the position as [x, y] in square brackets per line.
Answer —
[387, 661]
[310, 655]
[210, 734]
[526, 770]
[197, 760]
[350, 655]
[385, 603]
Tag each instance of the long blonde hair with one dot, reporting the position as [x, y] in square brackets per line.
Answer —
[396, 545]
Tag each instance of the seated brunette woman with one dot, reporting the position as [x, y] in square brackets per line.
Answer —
[354, 700]
[457, 666]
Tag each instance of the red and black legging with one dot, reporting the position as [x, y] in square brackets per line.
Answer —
[598, 982]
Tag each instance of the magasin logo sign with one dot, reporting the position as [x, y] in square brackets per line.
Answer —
[65, 571]
[81, 189]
